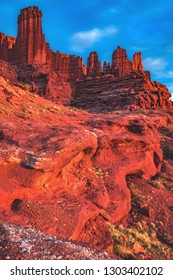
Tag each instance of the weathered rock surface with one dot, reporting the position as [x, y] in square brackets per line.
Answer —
[7, 71]
[19, 243]
[137, 62]
[7, 45]
[121, 65]
[94, 67]
[63, 170]
[30, 45]
[34, 60]
[132, 92]
[106, 68]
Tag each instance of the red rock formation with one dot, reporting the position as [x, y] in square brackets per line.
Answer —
[28, 244]
[31, 46]
[7, 44]
[121, 65]
[7, 71]
[137, 62]
[57, 88]
[77, 68]
[64, 171]
[55, 74]
[147, 74]
[106, 68]
[133, 92]
[94, 65]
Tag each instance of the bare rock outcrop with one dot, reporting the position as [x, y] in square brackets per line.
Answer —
[61, 77]
[94, 65]
[131, 92]
[30, 45]
[8, 71]
[121, 65]
[7, 45]
[137, 62]
[19, 243]
[63, 170]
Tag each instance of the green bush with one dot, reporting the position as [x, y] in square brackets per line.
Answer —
[26, 87]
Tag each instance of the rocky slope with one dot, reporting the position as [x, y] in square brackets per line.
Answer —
[18, 243]
[74, 173]
[65, 171]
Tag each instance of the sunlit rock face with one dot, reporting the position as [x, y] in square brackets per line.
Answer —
[64, 170]
[62, 78]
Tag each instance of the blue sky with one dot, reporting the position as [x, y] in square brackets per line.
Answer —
[79, 27]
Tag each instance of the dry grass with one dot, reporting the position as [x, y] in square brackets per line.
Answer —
[139, 242]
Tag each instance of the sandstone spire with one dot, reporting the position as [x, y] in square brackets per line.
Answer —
[7, 47]
[94, 65]
[31, 44]
[106, 68]
[121, 65]
[137, 62]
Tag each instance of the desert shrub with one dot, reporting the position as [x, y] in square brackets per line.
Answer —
[138, 242]
[26, 87]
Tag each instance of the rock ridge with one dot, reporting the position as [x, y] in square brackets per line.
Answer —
[55, 75]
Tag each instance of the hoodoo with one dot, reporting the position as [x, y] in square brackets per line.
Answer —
[137, 62]
[31, 45]
[121, 65]
[94, 67]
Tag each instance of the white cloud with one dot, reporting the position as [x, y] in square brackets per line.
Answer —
[170, 88]
[136, 48]
[163, 74]
[155, 64]
[85, 39]
[170, 74]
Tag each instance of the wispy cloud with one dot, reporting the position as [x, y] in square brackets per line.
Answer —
[137, 48]
[155, 64]
[85, 39]
[164, 74]
[170, 88]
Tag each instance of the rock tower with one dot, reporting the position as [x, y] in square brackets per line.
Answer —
[30, 44]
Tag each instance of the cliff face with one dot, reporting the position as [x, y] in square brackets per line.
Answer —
[137, 62]
[7, 45]
[131, 92]
[61, 77]
[94, 67]
[31, 46]
[7, 71]
[121, 65]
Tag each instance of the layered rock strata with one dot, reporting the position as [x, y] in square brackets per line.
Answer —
[121, 65]
[7, 45]
[132, 92]
[94, 67]
[31, 45]
[7, 71]
[59, 76]
[137, 62]
[63, 170]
